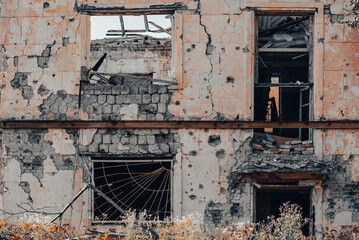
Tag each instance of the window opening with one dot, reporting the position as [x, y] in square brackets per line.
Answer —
[133, 184]
[127, 47]
[268, 202]
[283, 85]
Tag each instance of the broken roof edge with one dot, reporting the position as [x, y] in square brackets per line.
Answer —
[129, 39]
[111, 9]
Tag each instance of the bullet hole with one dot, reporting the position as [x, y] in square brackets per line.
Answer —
[188, 50]
[192, 197]
[342, 113]
[190, 133]
[193, 46]
[189, 165]
[53, 75]
[72, 19]
[27, 92]
[43, 90]
[221, 154]
[46, 5]
[222, 190]
[345, 75]
[207, 97]
[25, 186]
[193, 153]
[335, 37]
[238, 48]
[346, 87]
[177, 103]
[34, 138]
[68, 162]
[191, 190]
[246, 50]
[347, 64]
[158, 43]
[214, 140]
[65, 41]
[16, 61]
[200, 186]
[236, 209]
[230, 79]
[48, 24]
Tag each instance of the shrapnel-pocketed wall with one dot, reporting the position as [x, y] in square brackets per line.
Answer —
[212, 137]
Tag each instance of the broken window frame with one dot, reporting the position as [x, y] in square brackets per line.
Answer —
[310, 51]
[142, 159]
[284, 187]
[141, 12]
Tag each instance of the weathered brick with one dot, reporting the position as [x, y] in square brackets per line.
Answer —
[155, 98]
[110, 99]
[146, 99]
[106, 138]
[150, 139]
[102, 99]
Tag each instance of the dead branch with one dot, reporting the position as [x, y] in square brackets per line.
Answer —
[70, 203]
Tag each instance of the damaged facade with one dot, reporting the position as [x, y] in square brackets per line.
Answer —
[183, 107]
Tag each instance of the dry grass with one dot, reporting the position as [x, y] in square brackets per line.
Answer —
[288, 226]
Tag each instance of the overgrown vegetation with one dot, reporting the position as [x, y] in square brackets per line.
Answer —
[354, 13]
[287, 226]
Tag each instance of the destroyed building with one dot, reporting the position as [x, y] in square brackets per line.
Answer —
[241, 106]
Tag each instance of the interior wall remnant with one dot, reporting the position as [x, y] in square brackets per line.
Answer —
[143, 55]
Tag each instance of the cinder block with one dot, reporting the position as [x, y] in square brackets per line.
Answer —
[150, 139]
[110, 99]
[155, 98]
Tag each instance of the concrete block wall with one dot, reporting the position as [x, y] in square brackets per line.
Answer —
[133, 100]
[45, 44]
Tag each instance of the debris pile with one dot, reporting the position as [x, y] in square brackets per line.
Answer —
[266, 144]
[283, 32]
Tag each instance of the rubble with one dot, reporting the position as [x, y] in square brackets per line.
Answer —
[266, 144]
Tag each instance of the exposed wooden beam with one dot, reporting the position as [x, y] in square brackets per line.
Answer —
[161, 28]
[122, 25]
[179, 124]
[283, 50]
[302, 84]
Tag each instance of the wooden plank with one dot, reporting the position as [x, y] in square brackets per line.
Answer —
[283, 50]
[161, 28]
[146, 23]
[283, 84]
[122, 25]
